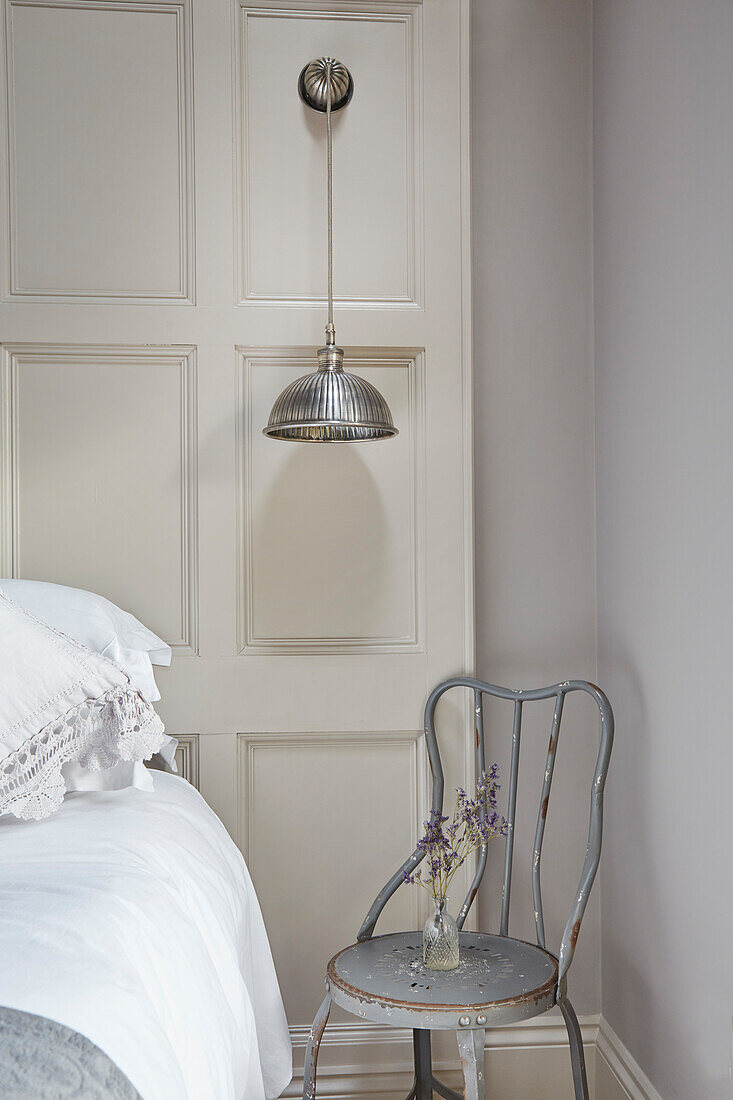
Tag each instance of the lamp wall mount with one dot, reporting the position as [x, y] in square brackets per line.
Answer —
[314, 80]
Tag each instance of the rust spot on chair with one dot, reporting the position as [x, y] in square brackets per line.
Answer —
[574, 934]
[551, 746]
[545, 803]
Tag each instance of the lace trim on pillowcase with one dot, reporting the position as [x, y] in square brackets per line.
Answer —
[98, 733]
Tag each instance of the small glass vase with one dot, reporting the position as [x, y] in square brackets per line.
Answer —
[440, 949]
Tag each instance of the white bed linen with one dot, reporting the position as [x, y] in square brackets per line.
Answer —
[130, 917]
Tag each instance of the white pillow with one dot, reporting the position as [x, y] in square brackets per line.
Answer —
[131, 773]
[60, 702]
[104, 628]
[98, 624]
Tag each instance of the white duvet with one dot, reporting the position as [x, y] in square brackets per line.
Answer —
[130, 917]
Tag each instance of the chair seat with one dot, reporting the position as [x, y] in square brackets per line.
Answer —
[498, 981]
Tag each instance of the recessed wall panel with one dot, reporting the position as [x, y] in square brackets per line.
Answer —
[325, 820]
[377, 156]
[101, 477]
[99, 150]
[331, 537]
[187, 757]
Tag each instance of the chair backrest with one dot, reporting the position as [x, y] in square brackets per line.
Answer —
[558, 692]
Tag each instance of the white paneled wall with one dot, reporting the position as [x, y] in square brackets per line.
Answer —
[99, 137]
[362, 768]
[378, 189]
[113, 419]
[163, 277]
[373, 601]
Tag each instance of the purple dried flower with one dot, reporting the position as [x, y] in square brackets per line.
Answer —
[447, 842]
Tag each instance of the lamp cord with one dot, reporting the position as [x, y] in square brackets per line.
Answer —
[330, 327]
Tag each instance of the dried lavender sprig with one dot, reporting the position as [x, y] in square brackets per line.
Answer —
[475, 821]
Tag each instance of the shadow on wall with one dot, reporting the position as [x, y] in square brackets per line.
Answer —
[321, 547]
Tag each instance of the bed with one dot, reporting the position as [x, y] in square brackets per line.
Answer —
[130, 918]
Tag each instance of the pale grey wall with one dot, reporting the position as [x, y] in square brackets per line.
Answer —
[664, 375]
[531, 149]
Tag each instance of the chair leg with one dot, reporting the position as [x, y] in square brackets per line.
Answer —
[471, 1045]
[311, 1051]
[443, 1090]
[577, 1055]
[426, 1083]
[423, 1086]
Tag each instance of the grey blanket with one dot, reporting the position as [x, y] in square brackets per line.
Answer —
[43, 1060]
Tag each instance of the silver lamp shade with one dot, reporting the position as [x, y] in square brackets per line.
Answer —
[330, 406]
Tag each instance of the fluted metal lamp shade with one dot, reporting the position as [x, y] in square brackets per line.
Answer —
[330, 405]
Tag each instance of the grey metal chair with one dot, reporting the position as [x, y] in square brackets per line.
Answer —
[500, 980]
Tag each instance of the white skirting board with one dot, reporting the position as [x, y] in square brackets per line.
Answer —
[528, 1059]
[624, 1071]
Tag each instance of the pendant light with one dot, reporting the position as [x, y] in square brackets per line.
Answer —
[329, 405]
